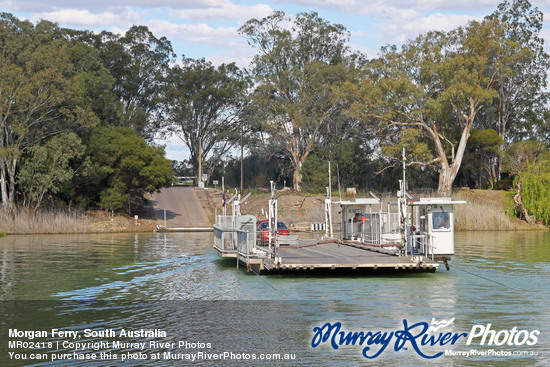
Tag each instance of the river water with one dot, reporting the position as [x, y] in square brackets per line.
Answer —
[175, 283]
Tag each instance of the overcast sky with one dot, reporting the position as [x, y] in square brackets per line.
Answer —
[208, 28]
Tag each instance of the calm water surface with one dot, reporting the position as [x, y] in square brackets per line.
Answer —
[175, 282]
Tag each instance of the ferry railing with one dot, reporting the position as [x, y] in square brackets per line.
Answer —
[243, 245]
[375, 228]
[430, 244]
[224, 239]
[425, 244]
[226, 222]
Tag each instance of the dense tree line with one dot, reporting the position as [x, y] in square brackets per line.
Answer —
[90, 105]
[76, 110]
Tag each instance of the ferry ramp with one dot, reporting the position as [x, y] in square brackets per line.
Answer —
[184, 209]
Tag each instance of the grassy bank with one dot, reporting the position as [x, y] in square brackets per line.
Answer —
[62, 221]
[485, 210]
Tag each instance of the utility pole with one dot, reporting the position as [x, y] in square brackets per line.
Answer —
[242, 157]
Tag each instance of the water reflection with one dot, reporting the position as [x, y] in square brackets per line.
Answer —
[175, 281]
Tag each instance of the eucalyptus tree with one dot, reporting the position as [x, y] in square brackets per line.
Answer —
[139, 63]
[529, 162]
[47, 167]
[41, 93]
[122, 168]
[299, 66]
[434, 86]
[522, 97]
[482, 151]
[204, 105]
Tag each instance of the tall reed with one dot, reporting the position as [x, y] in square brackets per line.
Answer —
[51, 221]
[484, 210]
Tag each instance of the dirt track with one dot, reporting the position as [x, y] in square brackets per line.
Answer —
[183, 208]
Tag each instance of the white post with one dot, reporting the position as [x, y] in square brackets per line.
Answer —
[272, 218]
[404, 218]
[329, 233]
[224, 211]
[327, 223]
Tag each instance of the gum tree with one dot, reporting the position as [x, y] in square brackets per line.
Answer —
[41, 94]
[204, 106]
[522, 96]
[299, 66]
[436, 85]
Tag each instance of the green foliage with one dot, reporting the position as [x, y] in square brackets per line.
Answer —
[139, 63]
[520, 154]
[258, 171]
[298, 72]
[436, 85]
[182, 168]
[204, 106]
[522, 99]
[349, 158]
[47, 167]
[43, 93]
[482, 151]
[441, 95]
[417, 150]
[535, 189]
[124, 167]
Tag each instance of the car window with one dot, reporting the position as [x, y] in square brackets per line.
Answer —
[281, 225]
[264, 225]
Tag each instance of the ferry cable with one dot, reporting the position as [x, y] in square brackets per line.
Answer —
[259, 276]
[490, 280]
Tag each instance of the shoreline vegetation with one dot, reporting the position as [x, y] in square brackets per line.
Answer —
[465, 107]
[488, 210]
[61, 221]
[485, 210]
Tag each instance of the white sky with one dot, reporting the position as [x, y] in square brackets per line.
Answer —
[208, 28]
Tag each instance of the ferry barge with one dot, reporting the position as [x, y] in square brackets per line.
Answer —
[373, 238]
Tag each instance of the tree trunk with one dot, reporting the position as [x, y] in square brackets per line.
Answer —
[448, 172]
[494, 178]
[199, 162]
[519, 204]
[7, 183]
[499, 167]
[12, 173]
[297, 179]
[4, 187]
[445, 181]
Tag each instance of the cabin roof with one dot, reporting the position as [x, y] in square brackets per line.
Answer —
[436, 201]
[361, 201]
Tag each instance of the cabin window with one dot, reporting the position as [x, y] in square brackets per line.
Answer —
[441, 221]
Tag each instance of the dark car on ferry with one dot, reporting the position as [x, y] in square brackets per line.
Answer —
[262, 231]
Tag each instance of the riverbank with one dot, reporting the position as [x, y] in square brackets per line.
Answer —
[62, 221]
[485, 210]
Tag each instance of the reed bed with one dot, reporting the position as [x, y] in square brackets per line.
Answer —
[484, 210]
[56, 221]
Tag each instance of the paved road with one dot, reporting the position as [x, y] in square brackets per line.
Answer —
[183, 208]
